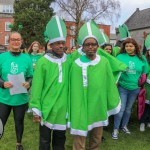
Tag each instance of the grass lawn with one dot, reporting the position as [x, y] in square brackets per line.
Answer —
[136, 141]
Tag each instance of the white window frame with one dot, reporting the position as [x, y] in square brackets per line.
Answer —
[72, 30]
[7, 26]
[72, 42]
[7, 9]
[6, 39]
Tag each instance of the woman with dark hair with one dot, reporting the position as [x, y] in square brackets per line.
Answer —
[107, 47]
[128, 82]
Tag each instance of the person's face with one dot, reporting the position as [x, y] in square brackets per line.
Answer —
[58, 47]
[35, 47]
[130, 48]
[149, 52]
[15, 42]
[90, 46]
[73, 48]
[108, 49]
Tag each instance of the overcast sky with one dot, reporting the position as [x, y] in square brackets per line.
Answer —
[128, 7]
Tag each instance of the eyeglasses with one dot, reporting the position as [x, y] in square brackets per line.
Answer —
[90, 44]
[13, 40]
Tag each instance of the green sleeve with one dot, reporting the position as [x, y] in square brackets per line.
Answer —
[146, 66]
[37, 86]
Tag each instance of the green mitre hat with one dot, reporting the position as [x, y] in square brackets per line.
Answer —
[56, 30]
[124, 32]
[103, 38]
[88, 30]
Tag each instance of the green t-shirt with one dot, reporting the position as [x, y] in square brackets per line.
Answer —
[34, 59]
[129, 78]
[14, 65]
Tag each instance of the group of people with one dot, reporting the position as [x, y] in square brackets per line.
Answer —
[77, 91]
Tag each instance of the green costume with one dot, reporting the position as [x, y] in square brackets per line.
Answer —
[115, 51]
[116, 65]
[35, 58]
[93, 95]
[129, 79]
[49, 94]
[147, 87]
[10, 64]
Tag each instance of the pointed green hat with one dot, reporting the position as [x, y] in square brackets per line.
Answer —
[147, 42]
[127, 30]
[56, 30]
[88, 30]
[124, 32]
[103, 38]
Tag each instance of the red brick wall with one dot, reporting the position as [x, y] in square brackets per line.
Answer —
[4, 33]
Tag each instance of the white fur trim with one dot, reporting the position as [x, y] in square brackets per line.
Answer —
[84, 68]
[57, 39]
[36, 111]
[55, 126]
[59, 61]
[115, 110]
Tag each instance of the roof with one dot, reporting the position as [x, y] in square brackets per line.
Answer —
[139, 19]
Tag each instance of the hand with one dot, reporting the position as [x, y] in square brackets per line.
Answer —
[8, 85]
[26, 85]
[37, 118]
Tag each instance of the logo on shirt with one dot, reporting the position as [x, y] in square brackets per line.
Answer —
[14, 68]
[131, 69]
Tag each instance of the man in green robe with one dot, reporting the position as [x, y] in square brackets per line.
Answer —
[93, 92]
[49, 93]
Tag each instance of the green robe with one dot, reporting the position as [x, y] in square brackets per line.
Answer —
[147, 87]
[93, 95]
[115, 51]
[116, 65]
[49, 92]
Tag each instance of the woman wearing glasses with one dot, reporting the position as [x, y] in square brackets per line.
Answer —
[15, 78]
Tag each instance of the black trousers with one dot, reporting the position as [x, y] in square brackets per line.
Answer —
[19, 113]
[56, 137]
[146, 114]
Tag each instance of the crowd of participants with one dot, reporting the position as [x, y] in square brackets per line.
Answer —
[77, 88]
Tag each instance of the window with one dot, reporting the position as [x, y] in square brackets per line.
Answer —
[72, 30]
[7, 26]
[6, 39]
[7, 9]
[72, 42]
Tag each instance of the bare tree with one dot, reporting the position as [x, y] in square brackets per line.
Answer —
[84, 10]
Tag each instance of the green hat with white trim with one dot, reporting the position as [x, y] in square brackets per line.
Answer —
[56, 30]
[147, 42]
[124, 32]
[103, 38]
[88, 30]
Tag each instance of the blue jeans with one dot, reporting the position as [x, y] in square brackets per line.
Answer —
[128, 98]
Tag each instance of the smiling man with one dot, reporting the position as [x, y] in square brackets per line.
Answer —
[93, 92]
[49, 94]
